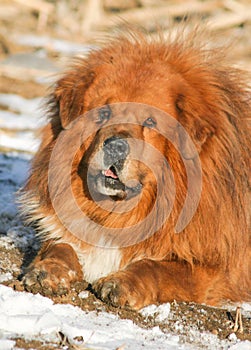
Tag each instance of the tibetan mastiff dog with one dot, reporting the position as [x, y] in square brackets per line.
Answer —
[141, 184]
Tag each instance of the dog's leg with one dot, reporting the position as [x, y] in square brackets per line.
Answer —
[151, 282]
[53, 270]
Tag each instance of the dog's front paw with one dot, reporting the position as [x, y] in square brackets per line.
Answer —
[120, 290]
[48, 277]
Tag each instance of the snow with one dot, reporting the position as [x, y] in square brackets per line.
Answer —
[84, 294]
[232, 337]
[245, 345]
[5, 277]
[23, 141]
[10, 120]
[21, 104]
[57, 45]
[246, 307]
[35, 317]
[13, 171]
[160, 313]
[20, 121]
[6, 344]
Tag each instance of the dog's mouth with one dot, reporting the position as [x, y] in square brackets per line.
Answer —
[112, 181]
[108, 183]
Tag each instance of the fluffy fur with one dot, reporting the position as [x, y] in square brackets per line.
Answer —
[210, 260]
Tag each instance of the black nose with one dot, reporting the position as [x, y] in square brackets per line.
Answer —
[115, 149]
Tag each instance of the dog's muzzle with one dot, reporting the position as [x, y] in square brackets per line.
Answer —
[115, 151]
[108, 182]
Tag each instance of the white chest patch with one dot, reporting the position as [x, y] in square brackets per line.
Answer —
[99, 262]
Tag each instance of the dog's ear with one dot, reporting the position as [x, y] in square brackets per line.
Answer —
[193, 129]
[69, 94]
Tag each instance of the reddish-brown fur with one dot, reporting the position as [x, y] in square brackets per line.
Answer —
[210, 260]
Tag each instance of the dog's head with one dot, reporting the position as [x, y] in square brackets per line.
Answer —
[126, 152]
[148, 112]
[141, 98]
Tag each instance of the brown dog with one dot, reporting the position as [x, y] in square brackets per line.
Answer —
[141, 185]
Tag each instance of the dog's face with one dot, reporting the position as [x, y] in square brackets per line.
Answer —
[130, 126]
[127, 151]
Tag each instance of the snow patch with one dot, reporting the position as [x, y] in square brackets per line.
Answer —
[244, 345]
[23, 141]
[20, 122]
[62, 46]
[36, 317]
[160, 313]
[6, 344]
[84, 294]
[13, 172]
[6, 277]
[9, 120]
[20, 104]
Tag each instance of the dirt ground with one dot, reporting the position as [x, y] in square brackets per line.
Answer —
[217, 321]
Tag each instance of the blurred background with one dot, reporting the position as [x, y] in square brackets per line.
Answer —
[38, 38]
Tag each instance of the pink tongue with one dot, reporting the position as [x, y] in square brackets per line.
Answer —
[110, 173]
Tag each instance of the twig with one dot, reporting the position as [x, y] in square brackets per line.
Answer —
[228, 20]
[93, 14]
[238, 321]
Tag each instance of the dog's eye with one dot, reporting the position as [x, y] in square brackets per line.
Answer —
[104, 114]
[150, 122]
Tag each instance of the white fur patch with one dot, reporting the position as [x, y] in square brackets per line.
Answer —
[99, 262]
